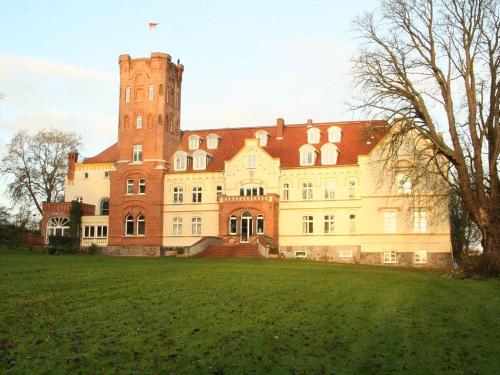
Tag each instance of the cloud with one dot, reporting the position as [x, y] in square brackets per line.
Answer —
[40, 94]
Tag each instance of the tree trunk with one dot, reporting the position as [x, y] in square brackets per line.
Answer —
[491, 237]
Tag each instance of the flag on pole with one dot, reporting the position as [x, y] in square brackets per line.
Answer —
[152, 25]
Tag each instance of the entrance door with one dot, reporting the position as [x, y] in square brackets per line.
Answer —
[246, 226]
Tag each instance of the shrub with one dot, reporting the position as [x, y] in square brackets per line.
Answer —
[61, 244]
[273, 250]
[180, 250]
[484, 265]
[93, 249]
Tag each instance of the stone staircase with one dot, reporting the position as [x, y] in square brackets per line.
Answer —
[230, 251]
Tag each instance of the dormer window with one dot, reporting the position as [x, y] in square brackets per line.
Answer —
[262, 136]
[194, 142]
[334, 134]
[307, 155]
[199, 160]
[329, 154]
[313, 135]
[212, 141]
[180, 161]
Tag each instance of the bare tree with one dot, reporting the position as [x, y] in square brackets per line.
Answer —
[433, 66]
[37, 166]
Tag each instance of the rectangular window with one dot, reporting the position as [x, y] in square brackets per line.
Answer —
[307, 190]
[286, 192]
[420, 221]
[403, 183]
[86, 175]
[177, 226]
[137, 153]
[142, 186]
[260, 224]
[178, 194]
[180, 163]
[329, 224]
[389, 221]
[233, 225]
[138, 122]
[301, 254]
[86, 231]
[99, 231]
[105, 231]
[390, 256]
[420, 257]
[218, 190]
[307, 224]
[252, 161]
[92, 231]
[330, 190]
[197, 190]
[352, 223]
[352, 189]
[345, 254]
[196, 226]
[151, 92]
[127, 94]
[307, 157]
[106, 174]
[130, 186]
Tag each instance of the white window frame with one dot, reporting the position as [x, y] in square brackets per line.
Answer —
[262, 137]
[177, 226]
[390, 221]
[129, 219]
[180, 161]
[199, 160]
[420, 221]
[130, 187]
[127, 94]
[197, 194]
[334, 134]
[420, 257]
[352, 188]
[403, 183]
[196, 226]
[308, 224]
[141, 219]
[138, 122]
[329, 223]
[257, 230]
[329, 154]
[251, 190]
[307, 190]
[212, 142]
[345, 254]
[177, 194]
[330, 190]
[313, 136]
[151, 92]
[390, 257]
[252, 161]
[307, 155]
[194, 142]
[137, 153]
[286, 191]
[232, 219]
[141, 186]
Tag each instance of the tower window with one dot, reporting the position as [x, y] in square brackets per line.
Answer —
[138, 122]
[151, 92]
[218, 190]
[352, 189]
[127, 94]
[142, 186]
[104, 206]
[137, 153]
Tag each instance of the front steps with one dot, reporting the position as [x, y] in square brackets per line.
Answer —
[231, 251]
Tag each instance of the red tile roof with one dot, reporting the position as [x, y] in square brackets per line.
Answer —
[109, 155]
[358, 138]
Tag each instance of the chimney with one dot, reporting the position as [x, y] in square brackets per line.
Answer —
[72, 160]
[309, 123]
[280, 124]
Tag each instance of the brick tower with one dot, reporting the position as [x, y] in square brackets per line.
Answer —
[148, 133]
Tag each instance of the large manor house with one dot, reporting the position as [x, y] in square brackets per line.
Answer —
[311, 190]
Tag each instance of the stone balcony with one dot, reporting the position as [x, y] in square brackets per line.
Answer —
[271, 198]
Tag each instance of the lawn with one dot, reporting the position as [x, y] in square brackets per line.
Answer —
[94, 314]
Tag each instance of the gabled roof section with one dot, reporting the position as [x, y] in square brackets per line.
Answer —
[109, 155]
[358, 138]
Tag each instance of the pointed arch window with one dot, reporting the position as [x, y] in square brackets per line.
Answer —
[141, 225]
[104, 207]
[129, 225]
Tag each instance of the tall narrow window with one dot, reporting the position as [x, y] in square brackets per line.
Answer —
[130, 186]
[104, 206]
[161, 90]
[127, 94]
[151, 92]
[389, 221]
[286, 192]
[199, 160]
[197, 190]
[352, 189]
[142, 186]
[307, 190]
[260, 224]
[141, 225]
[233, 225]
[160, 119]
[129, 225]
[177, 226]
[180, 161]
[196, 226]
[138, 122]
[178, 194]
[252, 161]
[137, 153]
[352, 223]
[307, 155]
[329, 224]
[420, 221]
[330, 190]
[307, 224]
[218, 190]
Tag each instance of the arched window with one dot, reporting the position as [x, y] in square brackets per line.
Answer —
[313, 135]
[329, 154]
[251, 190]
[260, 224]
[199, 160]
[138, 123]
[141, 225]
[194, 142]
[233, 225]
[262, 136]
[212, 141]
[57, 226]
[180, 161]
[129, 225]
[104, 206]
[307, 155]
[334, 134]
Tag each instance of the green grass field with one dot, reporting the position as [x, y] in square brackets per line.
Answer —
[93, 314]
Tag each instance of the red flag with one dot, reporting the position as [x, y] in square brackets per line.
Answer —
[152, 25]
